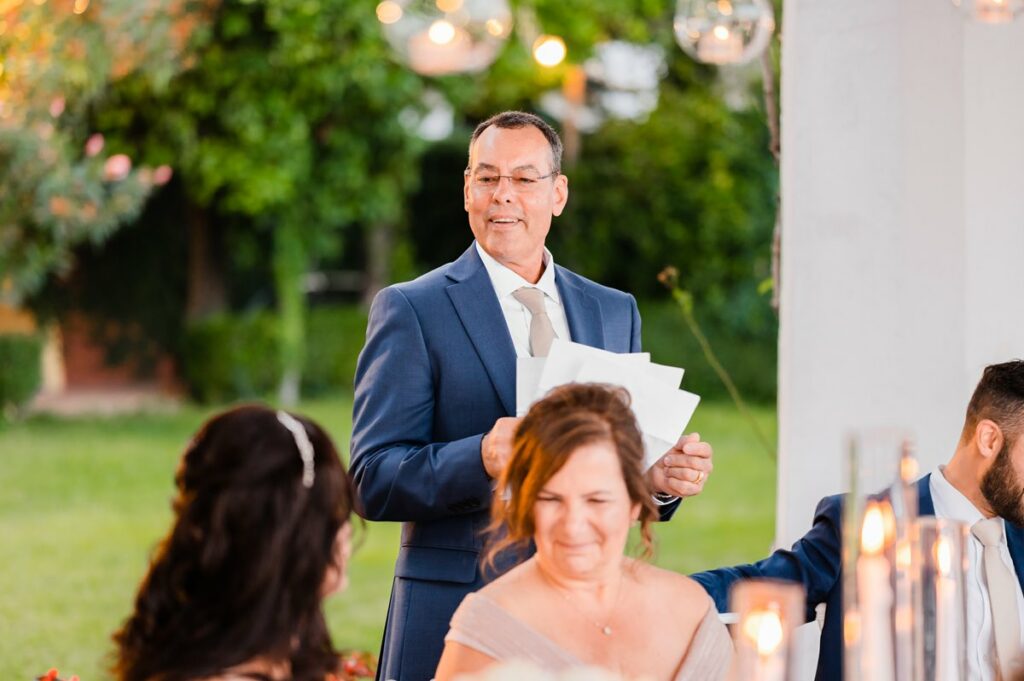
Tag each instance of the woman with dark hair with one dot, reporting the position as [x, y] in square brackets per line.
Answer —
[573, 486]
[261, 535]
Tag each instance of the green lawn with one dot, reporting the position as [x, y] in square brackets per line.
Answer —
[83, 501]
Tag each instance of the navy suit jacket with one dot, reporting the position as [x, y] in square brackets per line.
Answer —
[438, 369]
[815, 562]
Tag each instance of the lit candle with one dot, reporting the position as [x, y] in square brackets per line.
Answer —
[720, 46]
[947, 667]
[763, 628]
[768, 610]
[874, 592]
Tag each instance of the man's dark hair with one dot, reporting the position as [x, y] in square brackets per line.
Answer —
[999, 397]
[513, 120]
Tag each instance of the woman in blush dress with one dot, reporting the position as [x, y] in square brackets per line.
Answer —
[574, 486]
[261, 534]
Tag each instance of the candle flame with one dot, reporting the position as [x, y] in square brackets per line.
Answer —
[904, 555]
[851, 627]
[943, 556]
[764, 629]
[908, 468]
[872, 536]
[721, 32]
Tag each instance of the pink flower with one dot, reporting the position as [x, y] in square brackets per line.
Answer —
[57, 107]
[94, 145]
[117, 168]
[162, 175]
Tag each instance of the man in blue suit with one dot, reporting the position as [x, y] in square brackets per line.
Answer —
[983, 480]
[435, 384]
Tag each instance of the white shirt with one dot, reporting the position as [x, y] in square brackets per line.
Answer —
[981, 654]
[517, 317]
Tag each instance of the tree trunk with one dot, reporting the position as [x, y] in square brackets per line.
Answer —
[207, 291]
[380, 240]
[289, 269]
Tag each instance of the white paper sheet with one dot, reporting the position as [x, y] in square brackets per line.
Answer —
[662, 410]
[565, 359]
[528, 371]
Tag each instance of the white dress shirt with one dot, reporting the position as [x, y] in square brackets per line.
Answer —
[981, 654]
[517, 317]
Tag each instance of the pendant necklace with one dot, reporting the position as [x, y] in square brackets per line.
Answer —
[605, 629]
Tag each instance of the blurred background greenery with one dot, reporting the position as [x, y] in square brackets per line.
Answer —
[84, 501]
[202, 197]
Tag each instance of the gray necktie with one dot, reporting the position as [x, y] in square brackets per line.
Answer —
[1002, 592]
[541, 331]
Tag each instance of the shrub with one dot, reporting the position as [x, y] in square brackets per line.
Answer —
[19, 369]
[236, 356]
[230, 357]
[334, 337]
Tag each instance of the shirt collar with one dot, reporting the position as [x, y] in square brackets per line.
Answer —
[505, 281]
[950, 502]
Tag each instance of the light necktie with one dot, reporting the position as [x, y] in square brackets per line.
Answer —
[1002, 593]
[541, 331]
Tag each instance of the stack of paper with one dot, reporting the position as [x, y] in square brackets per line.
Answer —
[662, 410]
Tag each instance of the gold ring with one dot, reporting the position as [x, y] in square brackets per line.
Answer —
[700, 476]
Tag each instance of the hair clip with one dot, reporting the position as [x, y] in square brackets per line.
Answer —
[298, 432]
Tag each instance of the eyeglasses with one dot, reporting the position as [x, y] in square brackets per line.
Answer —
[522, 182]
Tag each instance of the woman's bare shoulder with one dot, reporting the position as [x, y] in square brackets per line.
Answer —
[509, 588]
[666, 586]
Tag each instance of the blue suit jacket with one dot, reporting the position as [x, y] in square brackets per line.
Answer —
[815, 562]
[438, 369]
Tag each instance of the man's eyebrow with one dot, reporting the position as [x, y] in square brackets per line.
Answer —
[488, 166]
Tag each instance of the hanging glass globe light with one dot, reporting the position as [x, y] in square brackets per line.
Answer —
[438, 37]
[723, 31]
[991, 11]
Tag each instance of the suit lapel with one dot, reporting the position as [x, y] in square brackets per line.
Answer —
[582, 311]
[1015, 542]
[925, 505]
[477, 305]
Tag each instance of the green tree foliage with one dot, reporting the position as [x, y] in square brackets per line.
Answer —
[62, 184]
[289, 117]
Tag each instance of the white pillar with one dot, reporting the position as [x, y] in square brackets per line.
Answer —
[903, 228]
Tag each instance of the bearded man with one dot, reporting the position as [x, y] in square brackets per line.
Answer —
[981, 486]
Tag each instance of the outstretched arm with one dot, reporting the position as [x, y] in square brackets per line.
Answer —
[814, 561]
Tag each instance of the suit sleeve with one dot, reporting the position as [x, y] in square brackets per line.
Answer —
[634, 340]
[814, 561]
[399, 473]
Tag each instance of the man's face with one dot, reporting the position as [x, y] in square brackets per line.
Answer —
[1002, 484]
[510, 215]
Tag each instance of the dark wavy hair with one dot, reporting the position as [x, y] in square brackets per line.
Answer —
[240, 573]
[569, 417]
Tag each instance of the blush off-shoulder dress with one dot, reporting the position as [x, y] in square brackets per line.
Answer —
[483, 625]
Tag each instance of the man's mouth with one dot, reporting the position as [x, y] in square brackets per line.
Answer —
[503, 221]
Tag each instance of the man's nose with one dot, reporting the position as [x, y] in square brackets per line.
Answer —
[504, 192]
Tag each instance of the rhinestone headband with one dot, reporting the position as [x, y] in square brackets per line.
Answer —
[302, 442]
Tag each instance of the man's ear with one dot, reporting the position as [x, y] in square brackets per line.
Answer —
[465, 192]
[561, 190]
[988, 438]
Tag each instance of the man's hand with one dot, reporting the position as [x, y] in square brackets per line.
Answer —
[496, 447]
[684, 469]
